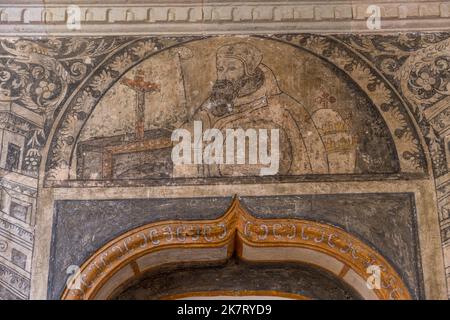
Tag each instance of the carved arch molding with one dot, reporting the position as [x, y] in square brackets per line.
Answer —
[321, 245]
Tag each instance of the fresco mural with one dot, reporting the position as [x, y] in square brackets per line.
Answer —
[83, 112]
[327, 125]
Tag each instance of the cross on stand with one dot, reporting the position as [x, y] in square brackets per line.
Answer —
[141, 87]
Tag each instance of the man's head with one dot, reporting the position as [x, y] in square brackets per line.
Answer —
[238, 74]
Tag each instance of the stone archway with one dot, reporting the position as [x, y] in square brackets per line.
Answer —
[412, 154]
[257, 240]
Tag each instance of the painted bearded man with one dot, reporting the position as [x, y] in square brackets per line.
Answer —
[246, 95]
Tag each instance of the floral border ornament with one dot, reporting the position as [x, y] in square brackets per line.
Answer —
[418, 65]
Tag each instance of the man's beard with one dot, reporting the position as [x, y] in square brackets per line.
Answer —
[222, 97]
[225, 91]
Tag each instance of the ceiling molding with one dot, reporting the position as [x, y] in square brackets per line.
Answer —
[21, 18]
